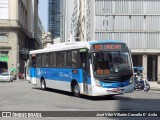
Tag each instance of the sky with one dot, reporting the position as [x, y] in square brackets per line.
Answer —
[43, 13]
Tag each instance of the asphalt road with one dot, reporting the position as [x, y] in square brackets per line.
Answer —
[23, 96]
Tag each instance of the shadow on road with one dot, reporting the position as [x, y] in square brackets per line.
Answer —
[56, 91]
[93, 98]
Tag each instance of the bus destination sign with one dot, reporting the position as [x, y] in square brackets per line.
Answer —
[108, 46]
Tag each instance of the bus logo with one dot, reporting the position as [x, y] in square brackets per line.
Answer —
[61, 74]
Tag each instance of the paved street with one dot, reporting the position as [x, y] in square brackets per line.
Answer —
[23, 96]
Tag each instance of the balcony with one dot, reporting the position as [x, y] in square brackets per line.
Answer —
[8, 23]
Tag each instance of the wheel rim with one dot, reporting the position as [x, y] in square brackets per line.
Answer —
[76, 89]
[43, 86]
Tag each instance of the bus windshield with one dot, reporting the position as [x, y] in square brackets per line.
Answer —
[112, 65]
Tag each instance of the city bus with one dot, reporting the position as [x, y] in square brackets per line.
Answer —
[94, 68]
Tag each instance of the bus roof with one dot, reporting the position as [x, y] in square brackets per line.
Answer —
[71, 46]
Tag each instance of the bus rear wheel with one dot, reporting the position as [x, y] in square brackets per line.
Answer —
[76, 89]
[43, 84]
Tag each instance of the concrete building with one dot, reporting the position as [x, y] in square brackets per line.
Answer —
[57, 40]
[135, 22]
[18, 33]
[66, 20]
[47, 39]
[40, 29]
[75, 21]
[61, 19]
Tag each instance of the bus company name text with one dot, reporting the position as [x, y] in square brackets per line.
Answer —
[23, 114]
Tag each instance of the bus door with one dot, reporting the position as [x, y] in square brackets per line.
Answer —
[83, 56]
[32, 71]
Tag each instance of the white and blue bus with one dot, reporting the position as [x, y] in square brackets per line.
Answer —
[94, 68]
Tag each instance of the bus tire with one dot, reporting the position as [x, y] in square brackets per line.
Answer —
[43, 84]
[76, 89]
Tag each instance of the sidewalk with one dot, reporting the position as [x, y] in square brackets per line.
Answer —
[154, 85]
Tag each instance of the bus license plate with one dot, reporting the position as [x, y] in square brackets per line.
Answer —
[117, 90]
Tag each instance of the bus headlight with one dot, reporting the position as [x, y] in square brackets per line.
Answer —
[97, 83]
[131, 80]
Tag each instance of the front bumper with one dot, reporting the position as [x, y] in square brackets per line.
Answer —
[99, 91]
[3, 80]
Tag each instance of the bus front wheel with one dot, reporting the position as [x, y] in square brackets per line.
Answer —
[43, 84]
[76, 89]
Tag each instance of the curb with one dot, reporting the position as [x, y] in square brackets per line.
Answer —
[155, 89]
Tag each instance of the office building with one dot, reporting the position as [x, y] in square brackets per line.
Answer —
[54, 14]
[18, 33]
[135, 22]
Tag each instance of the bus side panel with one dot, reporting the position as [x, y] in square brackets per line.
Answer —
[59, 85]
[58, 78]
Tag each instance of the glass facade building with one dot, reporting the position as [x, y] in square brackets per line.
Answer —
[54, 17]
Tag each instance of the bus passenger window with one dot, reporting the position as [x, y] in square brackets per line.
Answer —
[33, 61]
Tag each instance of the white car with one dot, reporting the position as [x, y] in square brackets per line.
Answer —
[6, 77]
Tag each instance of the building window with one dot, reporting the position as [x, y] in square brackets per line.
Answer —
[3, 37]
[3, 9]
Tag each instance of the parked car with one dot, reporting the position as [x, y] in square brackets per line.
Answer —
[6, 77]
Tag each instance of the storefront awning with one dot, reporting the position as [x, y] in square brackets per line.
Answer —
[3, 58]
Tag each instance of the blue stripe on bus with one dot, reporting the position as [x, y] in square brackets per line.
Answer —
[59, 74]
[32, 72]
[115, 84]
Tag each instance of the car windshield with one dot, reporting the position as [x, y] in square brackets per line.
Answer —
[4, 74]
[112, 64]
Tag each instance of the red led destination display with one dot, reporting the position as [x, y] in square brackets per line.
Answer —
[108, 46]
